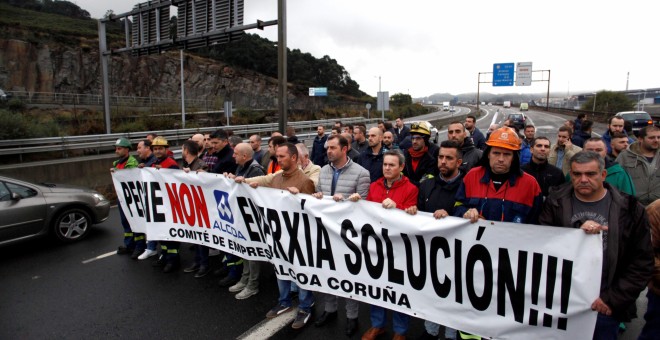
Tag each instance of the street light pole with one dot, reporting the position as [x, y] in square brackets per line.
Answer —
[382, 105]
[595, 96]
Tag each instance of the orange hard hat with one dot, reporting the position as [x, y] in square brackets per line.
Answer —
[505, 138]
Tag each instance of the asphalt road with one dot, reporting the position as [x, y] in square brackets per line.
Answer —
[54, 291]
[47, 292]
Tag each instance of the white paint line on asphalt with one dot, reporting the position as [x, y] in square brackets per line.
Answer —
[268, 327]
[99, 257]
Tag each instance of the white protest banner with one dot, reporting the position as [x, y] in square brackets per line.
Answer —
[499, 280]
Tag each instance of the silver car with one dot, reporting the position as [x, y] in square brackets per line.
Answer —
[31, 210]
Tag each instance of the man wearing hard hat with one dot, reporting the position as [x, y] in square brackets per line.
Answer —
[169, 255]
[132, 241]
[497, 189]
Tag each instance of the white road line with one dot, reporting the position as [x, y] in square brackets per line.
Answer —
[268, 327]
[99, 257]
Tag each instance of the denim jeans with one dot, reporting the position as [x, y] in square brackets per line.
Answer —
[152, 245]
[434, 329]
[202, 255]
[607, 328]
[651, 329]
[305, 297]
[400, 320]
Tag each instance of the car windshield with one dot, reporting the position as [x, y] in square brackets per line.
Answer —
[515, 116]
[634, 116]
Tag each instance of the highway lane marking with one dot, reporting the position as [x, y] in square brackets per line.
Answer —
[99, 257]
[269, 327]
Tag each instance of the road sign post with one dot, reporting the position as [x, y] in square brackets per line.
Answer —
[524, 74]
[503, 74]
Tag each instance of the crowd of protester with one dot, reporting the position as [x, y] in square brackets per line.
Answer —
[606, 185]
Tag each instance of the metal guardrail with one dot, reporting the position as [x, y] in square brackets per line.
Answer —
[95, 99]
[105, 142]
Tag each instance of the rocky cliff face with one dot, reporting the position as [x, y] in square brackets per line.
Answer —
[26, 66]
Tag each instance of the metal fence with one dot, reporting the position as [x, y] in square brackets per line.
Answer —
[54, 98]
[105, 143]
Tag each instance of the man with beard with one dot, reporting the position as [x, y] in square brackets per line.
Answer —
[471, 155]
[615, 125]
[642, 163]
[437, 196]
[372, 158]
[618, 144]
[546, 174]
[477, 137]
[388, 141]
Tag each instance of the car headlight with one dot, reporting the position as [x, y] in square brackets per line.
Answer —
[99, 198]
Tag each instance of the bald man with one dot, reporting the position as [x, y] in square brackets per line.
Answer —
[247, 166]
[372, 158]
[199, 139]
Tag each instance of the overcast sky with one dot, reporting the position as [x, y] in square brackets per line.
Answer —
[423, 47]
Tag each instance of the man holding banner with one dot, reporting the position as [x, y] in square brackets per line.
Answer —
[340, 179]
[293, 179]
[169, 256]
[498, 190]
[594, 206]
[393, 190]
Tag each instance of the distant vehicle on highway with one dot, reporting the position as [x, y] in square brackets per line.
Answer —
[517, 119]
[434, 130]
[638, 119]
[506, 104]
[524, 107]
[65, 212]
[445, 106]
[4, 96]
[452, 109]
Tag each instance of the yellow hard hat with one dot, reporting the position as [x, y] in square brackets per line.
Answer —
[422, 128]
[160, 141]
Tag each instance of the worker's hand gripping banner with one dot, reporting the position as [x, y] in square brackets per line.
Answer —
[499, 280]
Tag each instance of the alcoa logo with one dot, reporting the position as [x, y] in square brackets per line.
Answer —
[222, 198]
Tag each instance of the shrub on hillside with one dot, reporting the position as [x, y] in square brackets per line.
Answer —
[17, 126]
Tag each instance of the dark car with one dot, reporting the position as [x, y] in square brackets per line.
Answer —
[638, 119]
[30, 210]
[518, 120]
